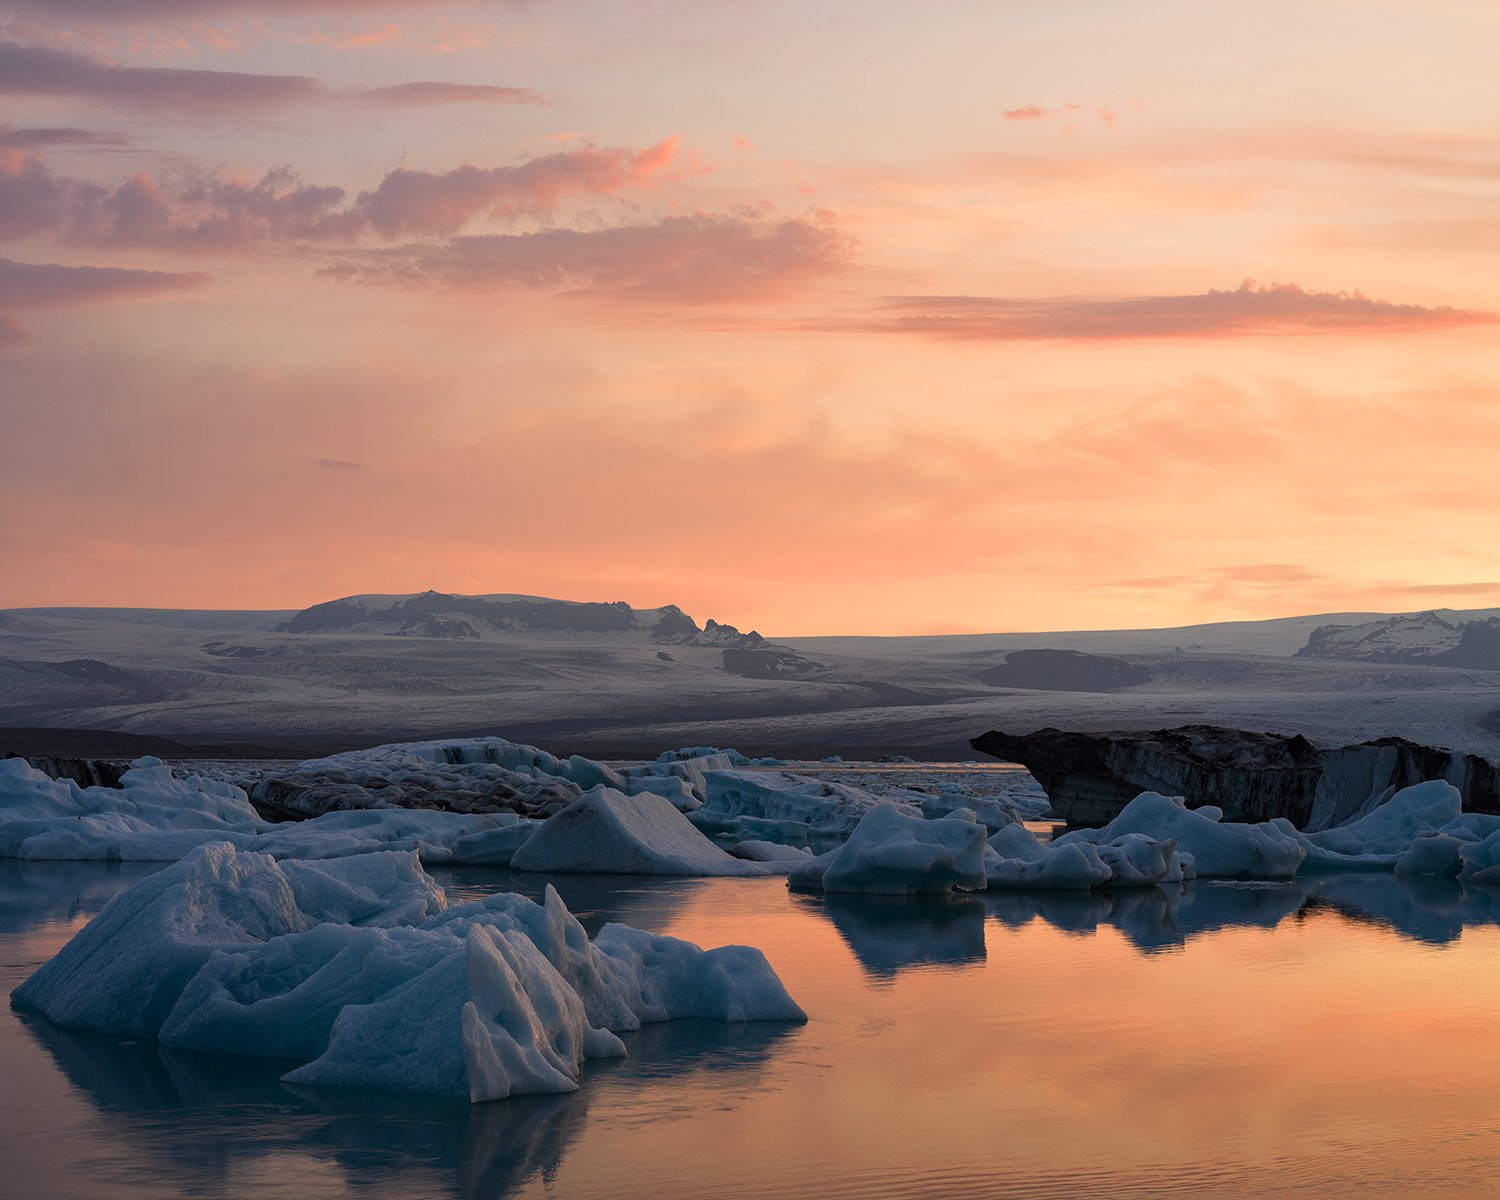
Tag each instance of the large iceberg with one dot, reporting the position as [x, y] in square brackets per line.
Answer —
[607, 831]
[1017, 858]
[361, 969]
[1219, 849]
[471, 775]
[891, 852]
[1381, 837]
[153, 816]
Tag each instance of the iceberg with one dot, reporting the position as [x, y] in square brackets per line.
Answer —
[819, 807]
[156, 817]
[361, 970]
[1219, 849]
[1016, 858]
[891, 852]
[1384, 835]
[151, 816]
[609, 832]
[473, 775]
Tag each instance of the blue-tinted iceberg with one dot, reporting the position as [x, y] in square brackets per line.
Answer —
[607, 831]
[1016, 858]
[361, 969]
[1218, 849]
[893, 853]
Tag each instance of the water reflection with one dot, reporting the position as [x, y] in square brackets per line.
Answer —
[1431, 910]
[650, 901]
[890, 934]
[36, 895]
[186, 1120]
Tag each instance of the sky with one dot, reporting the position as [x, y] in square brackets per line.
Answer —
[822, 317]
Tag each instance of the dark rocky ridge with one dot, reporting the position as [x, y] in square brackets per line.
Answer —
[1090, 777]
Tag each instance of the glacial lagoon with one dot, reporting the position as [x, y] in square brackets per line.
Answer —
[1318, 1037]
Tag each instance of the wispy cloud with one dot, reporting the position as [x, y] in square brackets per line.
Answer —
[1246, 311]
[129, 10]
[696, 258]
[1036, 112]
[35, 70]
[412, 94]
[45, 71]
[52, 285]
[12, 138]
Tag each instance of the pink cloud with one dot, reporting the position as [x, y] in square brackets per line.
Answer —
[131, 10]
[411, 202]
[684, 258]
[1035, 112]
[197, 210]
[408, 94]
[1246, 311]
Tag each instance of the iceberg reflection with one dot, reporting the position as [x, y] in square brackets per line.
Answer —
[890, 934]
[187, 1118]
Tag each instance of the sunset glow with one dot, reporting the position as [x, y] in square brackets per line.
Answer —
[819, 318]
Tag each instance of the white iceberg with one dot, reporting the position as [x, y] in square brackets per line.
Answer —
[152, 816]
[1219, 849]
[360, 969]
[1384, 835]
[893, 853]
[156, 817]
[1016, 858]
[610, 832]
[993, 814]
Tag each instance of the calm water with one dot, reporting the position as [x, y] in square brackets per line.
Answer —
[1323, 1038]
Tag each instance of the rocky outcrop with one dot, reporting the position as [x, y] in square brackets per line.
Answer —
[1090, 777]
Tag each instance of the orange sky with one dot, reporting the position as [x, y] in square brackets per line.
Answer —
[814, 318]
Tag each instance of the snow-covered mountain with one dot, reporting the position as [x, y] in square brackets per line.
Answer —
[1425, 638]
